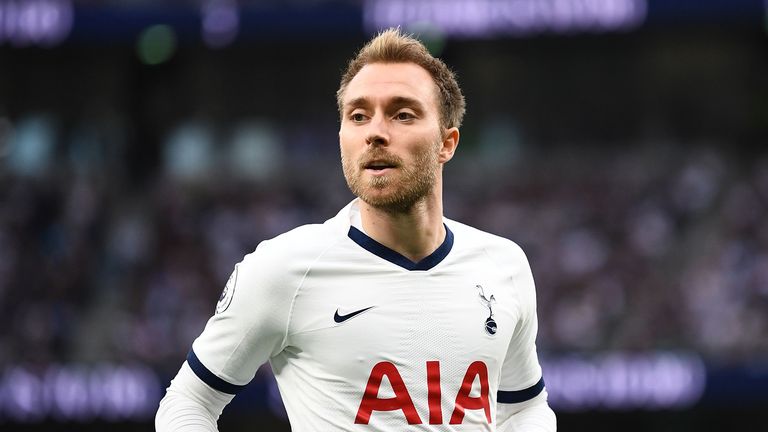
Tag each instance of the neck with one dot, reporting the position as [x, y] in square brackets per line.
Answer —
[414, 233]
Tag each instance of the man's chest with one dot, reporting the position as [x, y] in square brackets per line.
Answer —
[350, 319]
[397, 347]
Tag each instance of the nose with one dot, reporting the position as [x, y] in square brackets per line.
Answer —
[377, 134]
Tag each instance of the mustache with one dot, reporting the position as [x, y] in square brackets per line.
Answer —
[379, 155]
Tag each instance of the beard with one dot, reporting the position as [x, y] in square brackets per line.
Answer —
[399, 190]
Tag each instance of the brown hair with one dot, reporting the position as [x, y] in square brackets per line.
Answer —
[391, 46]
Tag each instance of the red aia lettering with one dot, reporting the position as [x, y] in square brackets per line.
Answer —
[434, 393]
[402, 400]
[371, 400]
[464, 401]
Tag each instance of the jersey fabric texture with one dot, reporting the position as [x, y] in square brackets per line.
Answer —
[358, 335]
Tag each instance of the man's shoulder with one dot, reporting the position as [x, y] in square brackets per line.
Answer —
[302, 241]
[477, 238]
[506, 255]
[293, 252]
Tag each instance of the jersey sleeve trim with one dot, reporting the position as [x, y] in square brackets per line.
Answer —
[518, 396]
[209, 378]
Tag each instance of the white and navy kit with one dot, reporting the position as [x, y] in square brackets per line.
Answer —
[361, 338]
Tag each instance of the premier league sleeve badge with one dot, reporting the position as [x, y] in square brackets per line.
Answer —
[229, 292]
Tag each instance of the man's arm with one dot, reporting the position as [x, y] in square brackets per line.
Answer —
[249, 327]
[190, 405]
[533, 415]
[521, 403]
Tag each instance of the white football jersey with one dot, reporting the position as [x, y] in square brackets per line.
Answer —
[361, 338]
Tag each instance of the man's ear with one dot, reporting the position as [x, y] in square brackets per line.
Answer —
[450, 142]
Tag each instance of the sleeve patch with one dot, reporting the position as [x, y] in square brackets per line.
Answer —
[518, 396]
[229, 292]
[209, 378]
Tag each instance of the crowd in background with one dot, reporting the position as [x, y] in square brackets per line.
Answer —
[634, 246]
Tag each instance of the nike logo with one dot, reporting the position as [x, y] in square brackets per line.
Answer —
[341, 318]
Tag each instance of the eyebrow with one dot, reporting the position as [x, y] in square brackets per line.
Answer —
[397, 101]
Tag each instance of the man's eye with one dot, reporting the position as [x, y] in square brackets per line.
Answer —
[404, 115]
[357, 117]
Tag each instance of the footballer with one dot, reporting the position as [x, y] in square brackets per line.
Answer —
[388, 316]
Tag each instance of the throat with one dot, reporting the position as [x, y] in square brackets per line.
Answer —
[414, 234]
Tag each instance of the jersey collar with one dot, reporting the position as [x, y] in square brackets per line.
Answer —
[394, 257]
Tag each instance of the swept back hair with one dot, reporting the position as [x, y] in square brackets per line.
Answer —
[391, 46]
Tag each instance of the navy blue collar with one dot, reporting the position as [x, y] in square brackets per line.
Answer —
[388, 254]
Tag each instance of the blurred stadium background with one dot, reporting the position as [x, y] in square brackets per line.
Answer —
[145, 147]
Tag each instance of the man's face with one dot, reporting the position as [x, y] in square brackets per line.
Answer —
[390, 135]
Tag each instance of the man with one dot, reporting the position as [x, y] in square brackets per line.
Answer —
[387, 317]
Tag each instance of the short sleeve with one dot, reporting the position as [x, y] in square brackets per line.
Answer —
[249, 325]
[521, 376]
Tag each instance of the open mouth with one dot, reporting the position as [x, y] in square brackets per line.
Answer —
[379, 166]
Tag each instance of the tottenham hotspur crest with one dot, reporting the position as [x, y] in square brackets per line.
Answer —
[490, 323]
[229, 291]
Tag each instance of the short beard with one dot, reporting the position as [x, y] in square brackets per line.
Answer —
[417, 180]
